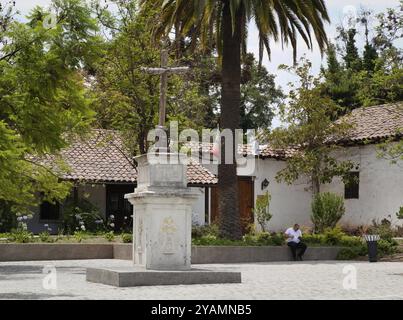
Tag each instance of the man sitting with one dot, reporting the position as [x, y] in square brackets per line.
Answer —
[294, 236]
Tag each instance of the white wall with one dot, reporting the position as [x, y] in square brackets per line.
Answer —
[198, 214]
[380, 189]
[290, 204]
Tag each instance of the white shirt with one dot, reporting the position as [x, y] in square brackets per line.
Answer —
[295, 235]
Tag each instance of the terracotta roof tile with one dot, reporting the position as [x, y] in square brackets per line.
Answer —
[102, 158]
[374, 123]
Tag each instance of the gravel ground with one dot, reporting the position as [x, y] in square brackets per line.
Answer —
[303, 280]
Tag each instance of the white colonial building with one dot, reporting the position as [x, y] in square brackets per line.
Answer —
[103, 174]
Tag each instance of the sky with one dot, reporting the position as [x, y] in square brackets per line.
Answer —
[338, 10]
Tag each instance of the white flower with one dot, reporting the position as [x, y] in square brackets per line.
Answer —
[81, 223]
[83, 227]
[19, 219]
[25, 217]
[125, 218]
[112, 216]
[112, 225]
[46, 225]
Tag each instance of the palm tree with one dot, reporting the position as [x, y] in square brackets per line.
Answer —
[225, 23]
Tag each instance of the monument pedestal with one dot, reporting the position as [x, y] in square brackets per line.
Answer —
[139, 276]
[162, 229]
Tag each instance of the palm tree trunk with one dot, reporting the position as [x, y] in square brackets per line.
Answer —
[230, 221]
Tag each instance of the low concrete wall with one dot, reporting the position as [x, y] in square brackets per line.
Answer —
[123, 251]
[200, 255]
[43, 252]
[225, 254]
[222, 254]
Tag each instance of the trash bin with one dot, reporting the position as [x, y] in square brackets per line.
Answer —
[372, 242]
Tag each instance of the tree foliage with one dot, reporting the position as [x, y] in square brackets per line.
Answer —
[126, 96]
[370, 75]
[43, 101]
[309, 129]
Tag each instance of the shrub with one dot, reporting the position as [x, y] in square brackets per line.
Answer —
[333, 236]
[313, 239]
[383, 229]
[262, 213]
[348, 254]
[127, 238]
[200, 231]
[277, 239]
[387, 247]
[45, 237]
[81, 216]
[348, 241]
[80, 236]
[21, 236]
[263, 237]
[109, 236]
[327, 210]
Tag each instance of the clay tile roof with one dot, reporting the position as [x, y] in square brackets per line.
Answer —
[103, 158]
[279, 154]
[199, 175]
[375, 123]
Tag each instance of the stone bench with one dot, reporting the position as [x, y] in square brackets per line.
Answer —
[200, 254]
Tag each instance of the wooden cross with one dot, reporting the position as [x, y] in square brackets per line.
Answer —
[164, 71]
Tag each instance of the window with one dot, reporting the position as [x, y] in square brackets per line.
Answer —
[50, 211]
[352, 186]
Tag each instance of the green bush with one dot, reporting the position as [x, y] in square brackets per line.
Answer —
[313, 239]
[82, 216]
[383, 229]
[21, 236]
[200, 231]
[127, 238]
[109, 236]
[327, 210]
[349, 253]
[333, 236]
[277, 239]
[45, 237]
[387, 247]
[348, 241]
[80, 236]
[261, 211]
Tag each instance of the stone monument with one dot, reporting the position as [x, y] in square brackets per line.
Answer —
[163, 213]
[162, 217]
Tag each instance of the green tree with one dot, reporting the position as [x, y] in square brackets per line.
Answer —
[310, 129]
[376, 77]
[351, 57]
[126, 96]
[259, 95]
[43, 103]
[227, 21]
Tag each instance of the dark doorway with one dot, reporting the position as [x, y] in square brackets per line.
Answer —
[246, 202]
[118, 206]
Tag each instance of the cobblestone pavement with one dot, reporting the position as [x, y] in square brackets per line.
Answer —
[303, 280]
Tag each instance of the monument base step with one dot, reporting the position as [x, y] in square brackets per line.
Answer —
[137, 276]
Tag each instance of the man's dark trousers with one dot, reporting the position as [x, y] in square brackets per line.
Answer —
[297, 246]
